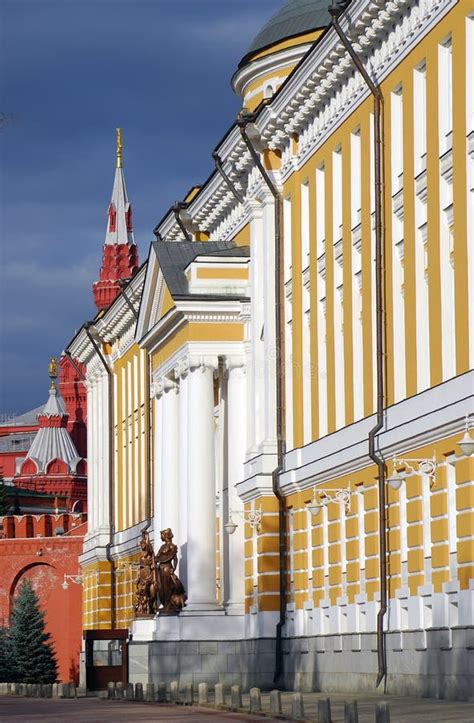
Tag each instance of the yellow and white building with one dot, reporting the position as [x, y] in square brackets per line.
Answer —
[194, 416]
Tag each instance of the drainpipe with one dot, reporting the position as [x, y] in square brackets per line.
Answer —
[335, 10]
[108, 547]
[242, 121]
[178, 206]
[220, 169]
[73, 362]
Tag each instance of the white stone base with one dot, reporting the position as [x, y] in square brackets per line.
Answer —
[189, 625]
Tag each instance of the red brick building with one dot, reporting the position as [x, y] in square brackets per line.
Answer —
[43, 539]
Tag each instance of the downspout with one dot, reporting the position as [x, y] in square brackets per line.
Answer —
[220, 169]
[108, 547]
[374, 88]
[74, 364]
[176, 210]
[242, 122]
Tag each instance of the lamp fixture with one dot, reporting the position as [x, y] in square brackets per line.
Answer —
[466, 444]
[425, 467]
[253, 517]
[76, 579]
[323, 496]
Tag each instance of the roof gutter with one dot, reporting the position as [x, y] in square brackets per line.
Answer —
[243, 121]
[108, 548]
[335, 10]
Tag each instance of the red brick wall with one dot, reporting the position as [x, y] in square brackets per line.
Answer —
[44, 561]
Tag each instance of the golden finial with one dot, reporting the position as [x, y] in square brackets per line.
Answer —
[53, 368]
[119, 148]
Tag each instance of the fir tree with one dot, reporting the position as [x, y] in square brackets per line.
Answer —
[5, 505]
[7, 665]
[34, 656]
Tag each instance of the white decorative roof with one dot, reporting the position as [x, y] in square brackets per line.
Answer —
[52, 440]
[54, 407]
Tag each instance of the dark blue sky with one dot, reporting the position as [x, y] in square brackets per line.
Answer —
[73, 71]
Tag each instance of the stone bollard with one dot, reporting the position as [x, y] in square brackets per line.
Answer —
[255, 700]
[41, 690]
[382, 712]
[119, 690]
[21, 688]
[203, 697]
[150, 693]
[48, 690]
[324, 710]
[219, 694]
[162, 692]
[138, 691]
[275, 702]
[128, 691]
[111, 692]
[63, 690]
[28, 690]
[188, 694]
[236, 696]
[174, 691]
[34, 690]
[297, 706]
[350, 712]
[72, 690]
[55, 690]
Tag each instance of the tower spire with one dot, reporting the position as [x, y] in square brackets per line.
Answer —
[119, 148]
[119, 254]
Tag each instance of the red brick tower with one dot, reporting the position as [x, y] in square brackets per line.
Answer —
[119, 253]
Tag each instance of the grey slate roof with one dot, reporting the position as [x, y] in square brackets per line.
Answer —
[27, 418]
[294, 18]
[175, 256]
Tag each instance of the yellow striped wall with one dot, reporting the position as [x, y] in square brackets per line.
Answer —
[131, 439]
[345, 544]
[400, 333]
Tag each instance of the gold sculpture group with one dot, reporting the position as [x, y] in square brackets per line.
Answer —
[157, 579]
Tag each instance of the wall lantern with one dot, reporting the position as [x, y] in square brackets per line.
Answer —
[425, 467]
[466, 444]
[76, 579]
[322, 497]
[253, 517]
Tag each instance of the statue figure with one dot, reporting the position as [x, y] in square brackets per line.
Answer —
[171, 593]
[146, 580]
[53, 368]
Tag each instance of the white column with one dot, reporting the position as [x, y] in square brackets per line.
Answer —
[92, 515]
[236, 447]
[157, 425]
[105, 422]
[181, 538]
[269, 331]
[169, 457]
[201, 487]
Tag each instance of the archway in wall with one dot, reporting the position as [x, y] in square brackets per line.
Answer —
[55, 602]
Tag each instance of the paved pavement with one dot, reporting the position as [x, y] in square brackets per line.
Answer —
[95, 710]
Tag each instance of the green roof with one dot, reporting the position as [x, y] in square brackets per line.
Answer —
[296, 17]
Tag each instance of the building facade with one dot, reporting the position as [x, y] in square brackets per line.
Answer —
[298, 430]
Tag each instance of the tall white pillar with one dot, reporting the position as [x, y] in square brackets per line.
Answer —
[181, 535]
[201, 487]
[104, 423]
[236, 448]
[157, 439]
[91, 511]
[169, 457]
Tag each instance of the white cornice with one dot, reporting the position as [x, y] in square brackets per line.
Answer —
[322, 91]
[273, 62]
